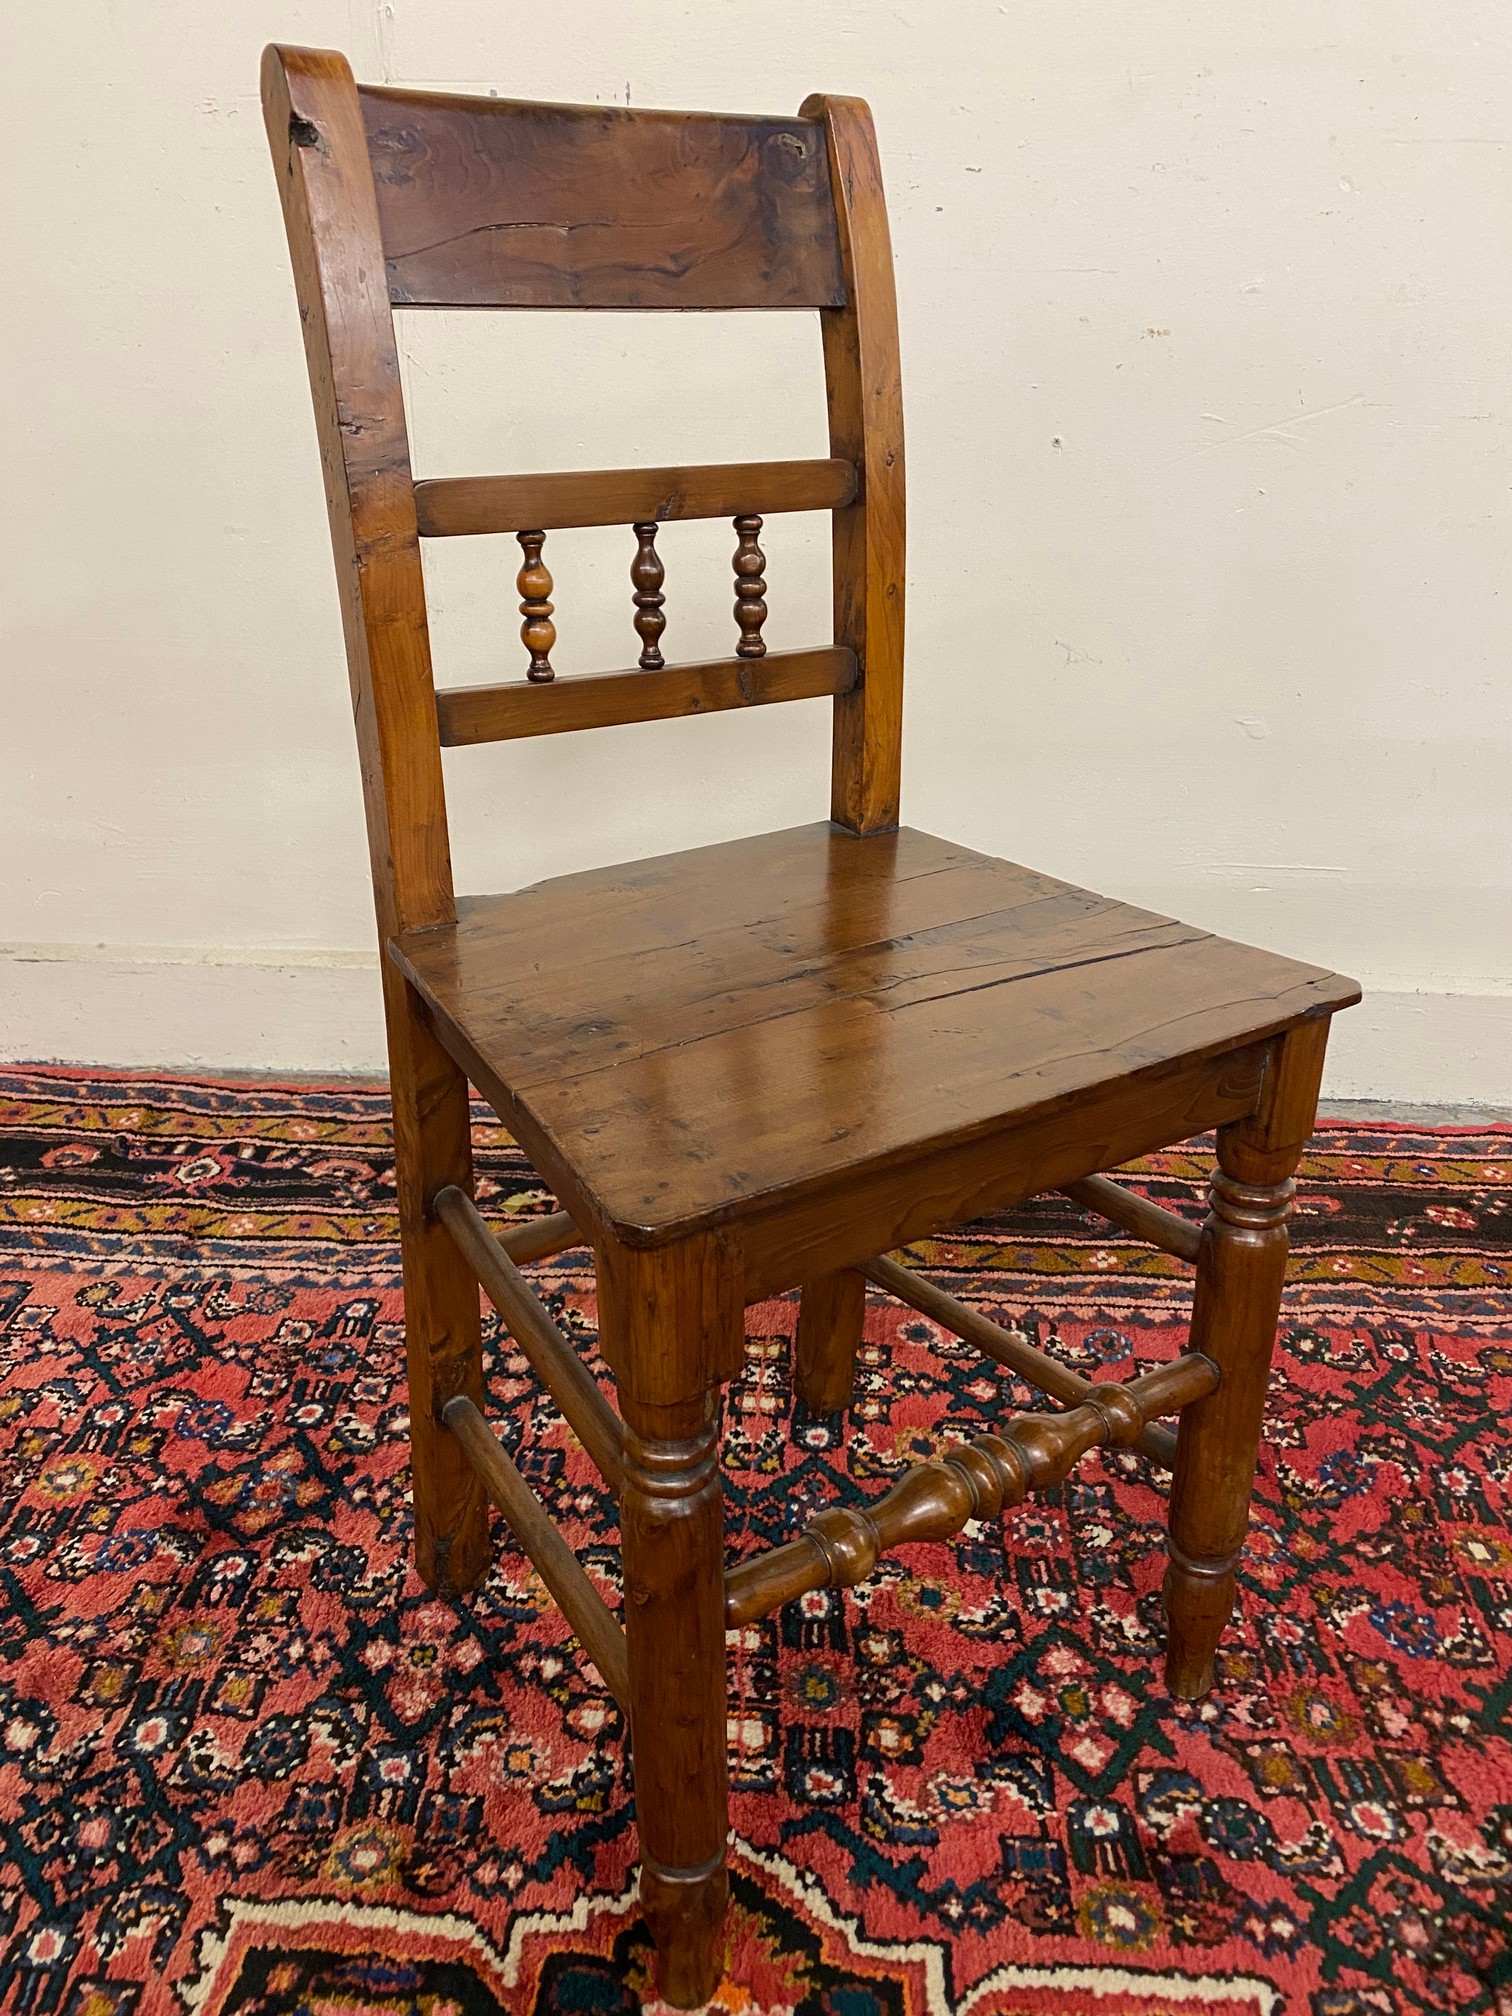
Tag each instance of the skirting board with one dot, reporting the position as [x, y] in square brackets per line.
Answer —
[315, 1013]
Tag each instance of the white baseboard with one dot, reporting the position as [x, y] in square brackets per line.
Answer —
[199, 1012]
[161, 1008]
[1424, 1049]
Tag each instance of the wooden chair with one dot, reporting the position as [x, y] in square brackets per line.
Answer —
[757, 1066]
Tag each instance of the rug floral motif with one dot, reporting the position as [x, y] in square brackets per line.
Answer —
[248, 1764]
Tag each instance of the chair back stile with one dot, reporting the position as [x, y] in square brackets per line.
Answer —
[315, 126]
[865, 387]
[415, 200]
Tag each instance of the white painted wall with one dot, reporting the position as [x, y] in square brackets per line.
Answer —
[1207, 328]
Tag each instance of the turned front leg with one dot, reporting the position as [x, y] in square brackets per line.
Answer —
[1241, 1268]
[672, 1328]
[672, 1527]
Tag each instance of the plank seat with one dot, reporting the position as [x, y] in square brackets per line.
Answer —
[710, 1037]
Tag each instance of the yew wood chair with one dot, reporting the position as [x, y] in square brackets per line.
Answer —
[764, 1065]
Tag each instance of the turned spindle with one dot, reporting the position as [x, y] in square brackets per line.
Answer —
[969, 1480]
[750, 588]
[646, 577]
[537, 632]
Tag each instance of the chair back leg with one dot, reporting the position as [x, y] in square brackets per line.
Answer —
[831, 1314]
[442, 1327]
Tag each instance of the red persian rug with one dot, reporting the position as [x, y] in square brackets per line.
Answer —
[248, 1764]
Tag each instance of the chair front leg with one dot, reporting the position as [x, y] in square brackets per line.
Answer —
[1241, 1269]
[442, 1328]
[671, 1326]
[672, 1533]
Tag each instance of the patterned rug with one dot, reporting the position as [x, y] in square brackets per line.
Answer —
[248, 1764]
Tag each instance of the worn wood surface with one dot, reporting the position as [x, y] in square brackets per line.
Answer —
[903, 1199]
[755, 1065]
[451, 506]
[497, 203]
[831, 1316]
[770, 1020]
[511, 709]
[319, 152]
[443, 1340]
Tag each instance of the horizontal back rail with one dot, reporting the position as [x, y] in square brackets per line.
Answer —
[514, 708]
[450, 507]
[493, 203]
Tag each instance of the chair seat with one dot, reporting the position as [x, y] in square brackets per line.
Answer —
[681, 1040]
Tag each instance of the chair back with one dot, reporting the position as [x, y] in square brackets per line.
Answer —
[407, 199]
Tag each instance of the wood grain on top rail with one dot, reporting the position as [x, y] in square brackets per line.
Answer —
[501, 713]
[448, 507]
[500, 203]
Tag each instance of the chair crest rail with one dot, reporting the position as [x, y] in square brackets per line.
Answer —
[971, 1480]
